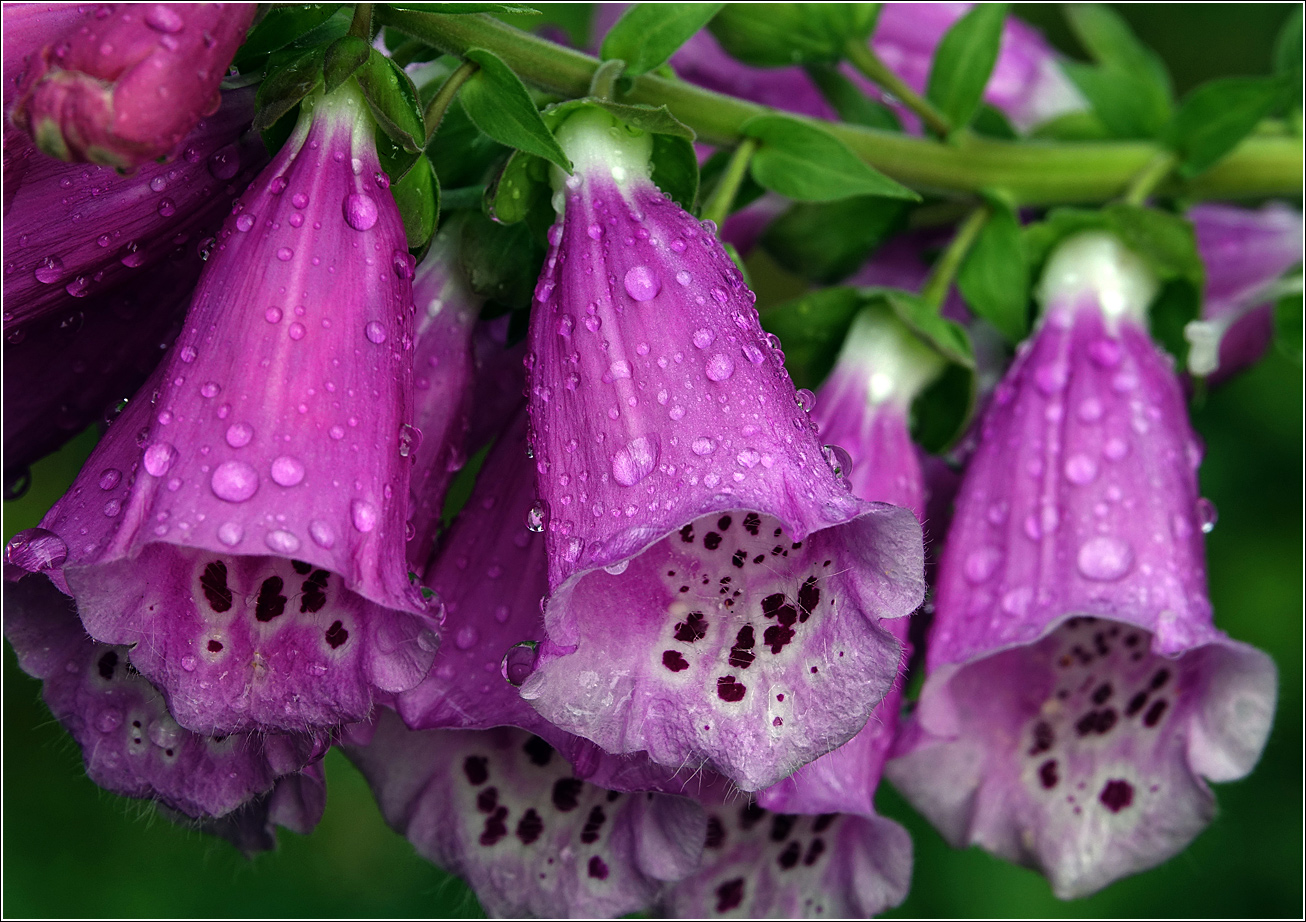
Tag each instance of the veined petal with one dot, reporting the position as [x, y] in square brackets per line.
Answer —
[1077, 692]
[503, 811]
[682, 486]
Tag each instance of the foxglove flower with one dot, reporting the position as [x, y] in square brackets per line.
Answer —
[1077, 693]
[131, 82]
[242, 523]
[716, 590]
[1244, 253]
[131, 744]
[75, 230]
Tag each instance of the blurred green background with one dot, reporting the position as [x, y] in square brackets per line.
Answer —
[73, 850]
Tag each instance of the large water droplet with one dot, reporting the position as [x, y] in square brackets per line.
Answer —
[360, 211]
[163, 19]
[1105, 558]
[109, 478]
[466, 637]
[519, 662]
[375, 332]
[364, 515]
[703, 445]
[410, 439]
[285, 253]
[1081, 469]
[230, 533]
[536, 518]
[287, 471]
[225, 163]
[981, 563]
[703, 337]
[720, 367]
[49, 270]
[636, 460]
[234, 481]
[159, 457]
[839, 460]
[36, 549]
[239, 434]
[282, 541]
[244, 222]
[642, 283]
[1207, 515]
[323, 535]
[805, 399]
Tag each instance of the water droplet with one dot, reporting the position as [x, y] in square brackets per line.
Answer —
[1207, 515]
[364, 515]
[1115, 448]
[410, 439]
[720, 367]
[536, 518]
[1081, 469]
[296, 331]
[323, 535]
[981, 563]
[110, 478]
[683, 278]
[403, 264]
[839, 460]
[336, 432]
[244, 222]
[1105, 352]
[466, 637]
[375, 332]
[617, 371]
[281, 541]
[1016, 601]
[703, 338]
[239, 434]
[636, 460]
[703, 446]
[519, 662]
[167, 208]
[1104, 558]
[360, 211]
[49, 270]
[189, 663]
[36, 549]
[285, 253]
[805, 399]
[230, 533]
[159, 457]
[163, 19]
[234, 481]
[287, 471]
[224, 164]
[1090, 410]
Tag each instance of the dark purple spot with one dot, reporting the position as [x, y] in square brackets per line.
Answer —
[692, 629]
[1116, 795]
[741, 654]
[593, 825]
[1047, 774]
[108, 663]
[711, 541]
[729, 895]
[487, 800]
[777, 637]
[752, 523]
[739, 557]
[716, 831]
[778, 549]
[613, 796]
[477, 770]
[1131, 640]
[772, 603]
[787, 615]
[824, 821]
[778, 722]
[674, 661]
[529, 827]
[336, 635]
[759, 558]
[1106, 719]
[1136, 704]
[750, 815]
[778, 532]
[789, 857]
[215, 646]
[815, 670]
[597, 869]
[538, 751]
[300, 567]
[566, 793]
[1155, 712]
[727, 689]
[1096, 722]
[808, 598]
[1162, 676]
[271, 602]
[214, 583]
[814, 851]
[1102, 693]
[1100, 644]
[495, 827]
[687, 534]
[781, 825]
[1044, 737]
[796, 545]
[314, 589]
[723, 523]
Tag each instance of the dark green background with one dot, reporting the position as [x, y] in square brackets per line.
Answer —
[71, 849]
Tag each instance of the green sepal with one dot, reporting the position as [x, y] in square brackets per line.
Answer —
[502, 261]
[279, 27]
[1129, 89]
[1288, 323]
[522, 182]
[418, 196]
[675, 169]
[287, 86]
[392, 99]
[345, 56]
[1217, 115]
[780, 34]
[812, 330]
[849, 101]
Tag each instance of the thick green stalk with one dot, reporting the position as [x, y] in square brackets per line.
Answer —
[440, 102]
[945, 270]
[717, 208]
[1030, 172]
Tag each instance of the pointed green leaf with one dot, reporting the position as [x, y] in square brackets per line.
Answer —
[287, 86]
[964, 61]
[1288, 324]
[512, 195]
[392, 98]
[1123, 104]
[805, 163]
[994, 278]
[1216, 116]
[280, 26]
[850, 101]
[345, 56]
[649, 33]
[497, 102]
[675, 169]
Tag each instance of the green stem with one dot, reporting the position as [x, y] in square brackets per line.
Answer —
[945, 270]
[717, 207]
[361, 25]
[1149, 177]
[604, 84]
[860, 56]
[1032, 173]
[439, 103]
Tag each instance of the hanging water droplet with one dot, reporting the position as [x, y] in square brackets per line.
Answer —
[1207, 515]
[519, 662]
[410, 439]
[839, 460]
[805, 399]
[536, 518]
[36, 549]
[360, 211]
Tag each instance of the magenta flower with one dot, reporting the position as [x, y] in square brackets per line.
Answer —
[1244, 252]
[131, 744]
[502, 810]
[243, 523]
[1077, 693]
[131, 82]
[712, 578]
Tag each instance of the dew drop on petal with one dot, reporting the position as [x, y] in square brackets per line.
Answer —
[36, 549]
[322, 534]
[981, 563]
[230, 533]
[375, 332]
[239, 434]
[536, 518]
[287, 471]
[720, 367]
[281, 541]
[363, 514]
[683, 278]
[244, 222]
[360, 211]
[466, 637]
[703, 338]
[703, 445]
[1104, 558]
[272, 315]
[805, 399]
[518, 663]
[109, 478]
[159, 457]
[635, 461]
[234, 481]
[1207, 515]
[1081, 469]
[296, 331]
[285, 253]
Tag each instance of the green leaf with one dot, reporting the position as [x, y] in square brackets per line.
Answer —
[964, 61]
[1288, 45]
[392, 98]
[1130, 89]
[849, 101]
[497, 102]
[949, 339]
[418, 196]
[1216, 116]
[1109, 40]
[452, 9]
[715, 167]
[675, 169]
[1175, 305]
[827, 242]
[502, 261]
[345, 56]
[523, 180]
[287, 86]
[649, 33]
[992, 123]
[460, 153]
[1119, 100]
[780, 34]
[279, 27]
[806, 163]
[994, 278]
[1288, 319]
[812, 329]
[654, 119]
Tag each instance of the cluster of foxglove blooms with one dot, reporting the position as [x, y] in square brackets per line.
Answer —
[658, 658]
